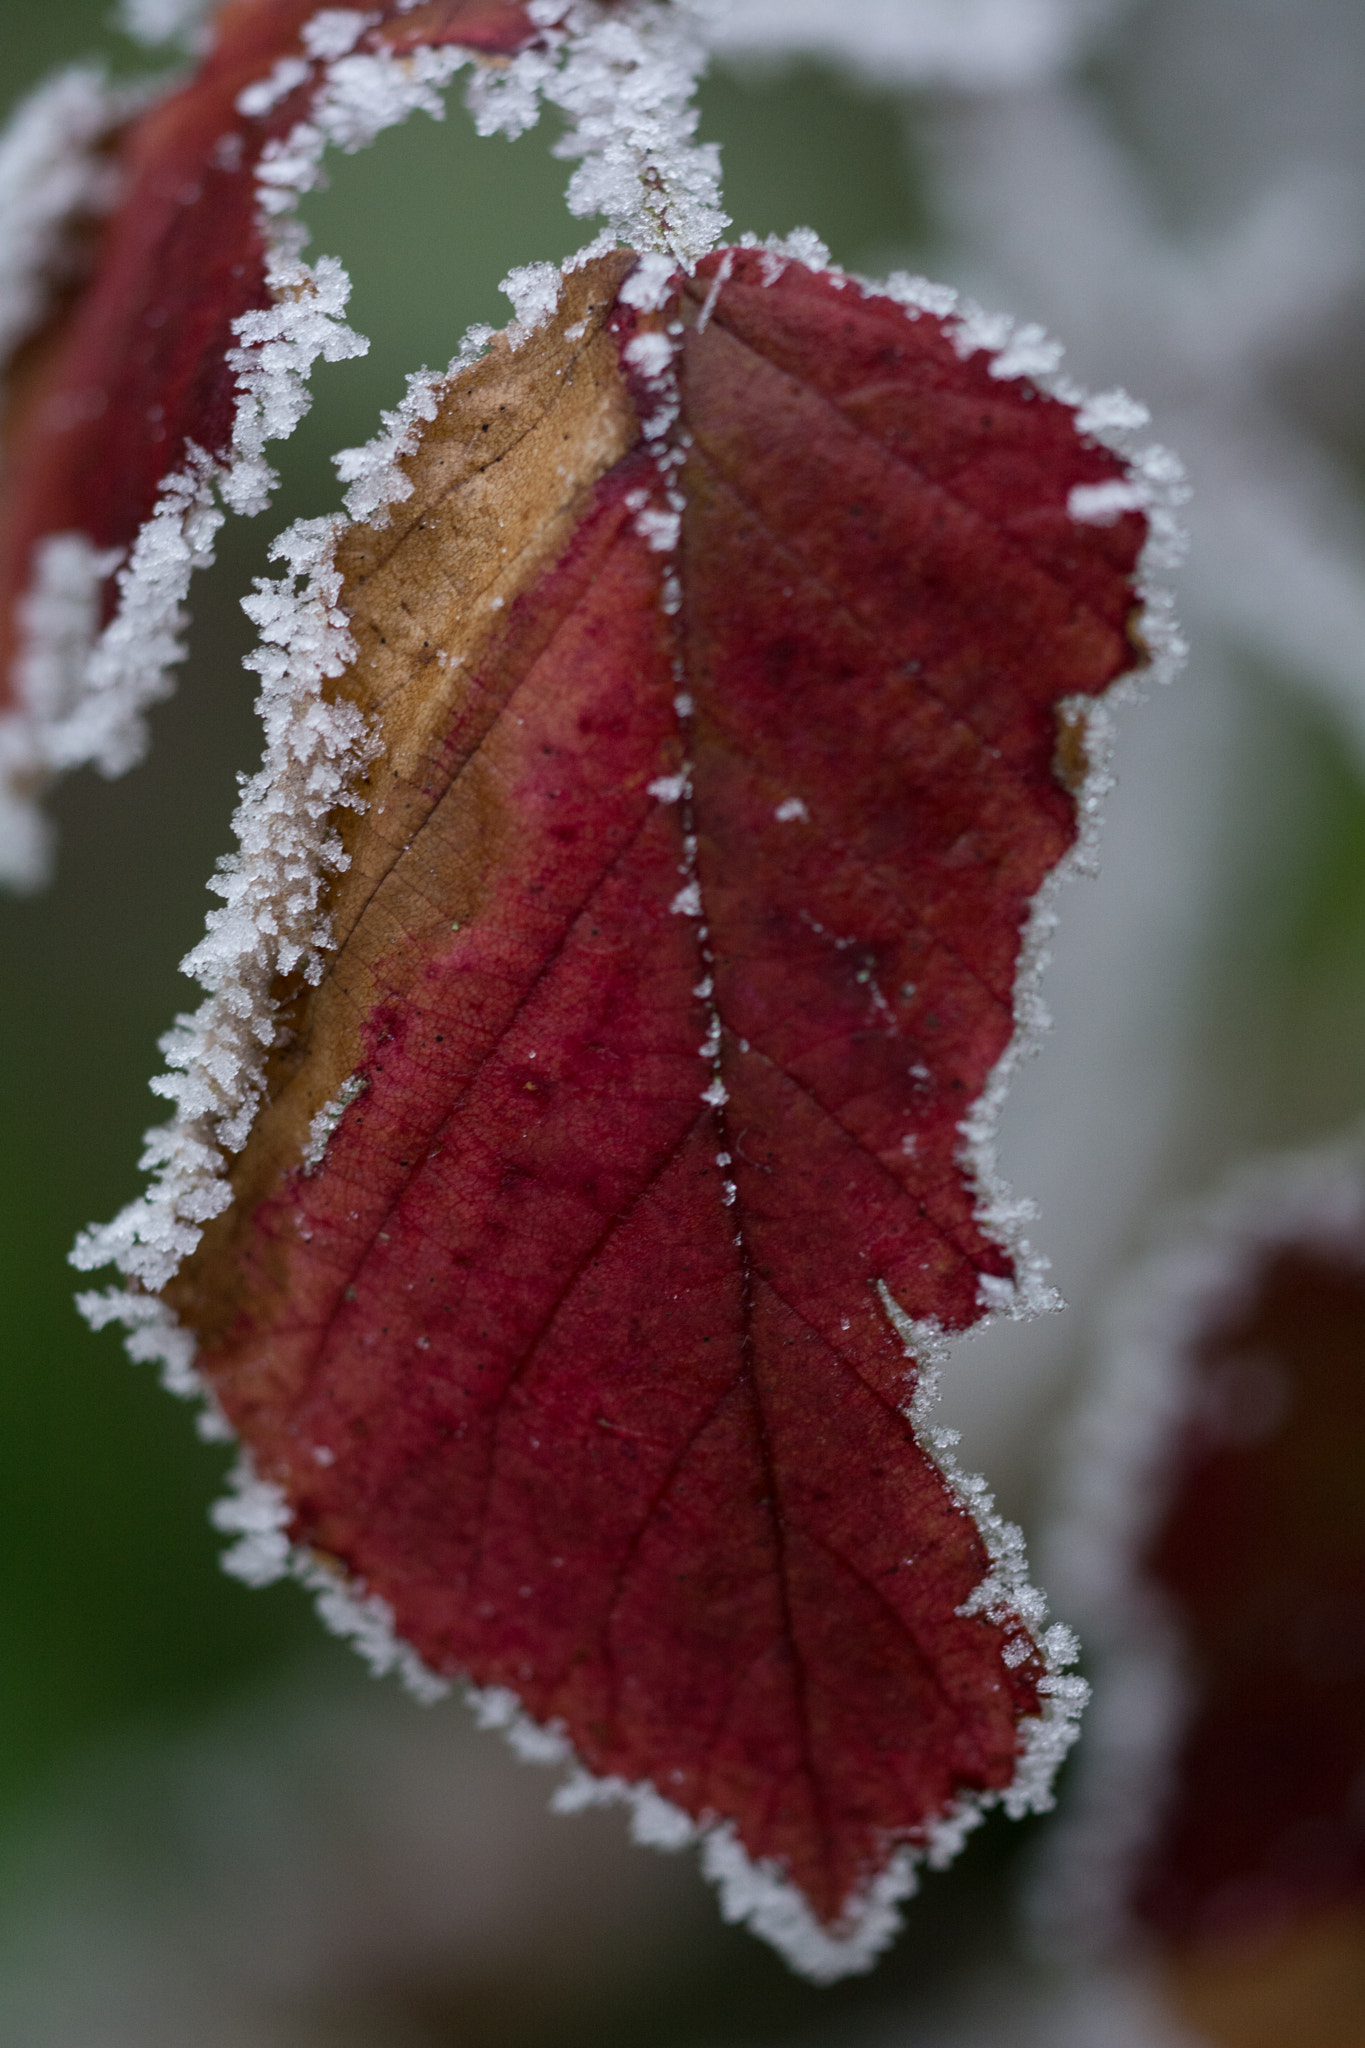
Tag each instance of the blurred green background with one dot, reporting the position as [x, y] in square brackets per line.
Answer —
[115, 1620]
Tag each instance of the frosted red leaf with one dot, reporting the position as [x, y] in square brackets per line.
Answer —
[730, 658]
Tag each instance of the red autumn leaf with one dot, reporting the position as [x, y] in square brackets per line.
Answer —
[144, 387]
[1223, 1817]
[729, 656]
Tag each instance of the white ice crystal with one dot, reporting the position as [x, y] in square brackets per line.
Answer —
[323, 1125]
[366, 1622]
[372, 471]
[1155, 483]
[625, 76]
[270, 924]
[627, 86]
[54, 181]
[83, 699]
[1102, 504]
[334, 32]
[82, 693]
[128, 667]
[256, 1513]
[284, 77]
[53, 178]
[534, 290]
[61, 613]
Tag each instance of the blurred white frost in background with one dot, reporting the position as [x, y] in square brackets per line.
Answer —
[972, 43]
[1174, 187]
[1195, 235]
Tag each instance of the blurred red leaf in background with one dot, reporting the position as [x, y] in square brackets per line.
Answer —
[138, 375]
[1261, 1554]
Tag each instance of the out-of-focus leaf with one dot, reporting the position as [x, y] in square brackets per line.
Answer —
[1261, 1557]
[1218, 1554]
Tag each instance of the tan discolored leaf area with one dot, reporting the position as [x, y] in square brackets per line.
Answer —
[498, 486]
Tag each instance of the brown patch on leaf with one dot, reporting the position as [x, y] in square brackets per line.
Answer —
[499, 484]
[1071, 762]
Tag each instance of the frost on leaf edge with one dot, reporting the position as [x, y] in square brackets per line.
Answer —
[1114, 1489]
[306, 640]
[54, 177]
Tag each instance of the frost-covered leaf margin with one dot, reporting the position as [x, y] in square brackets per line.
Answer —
[56, 181]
